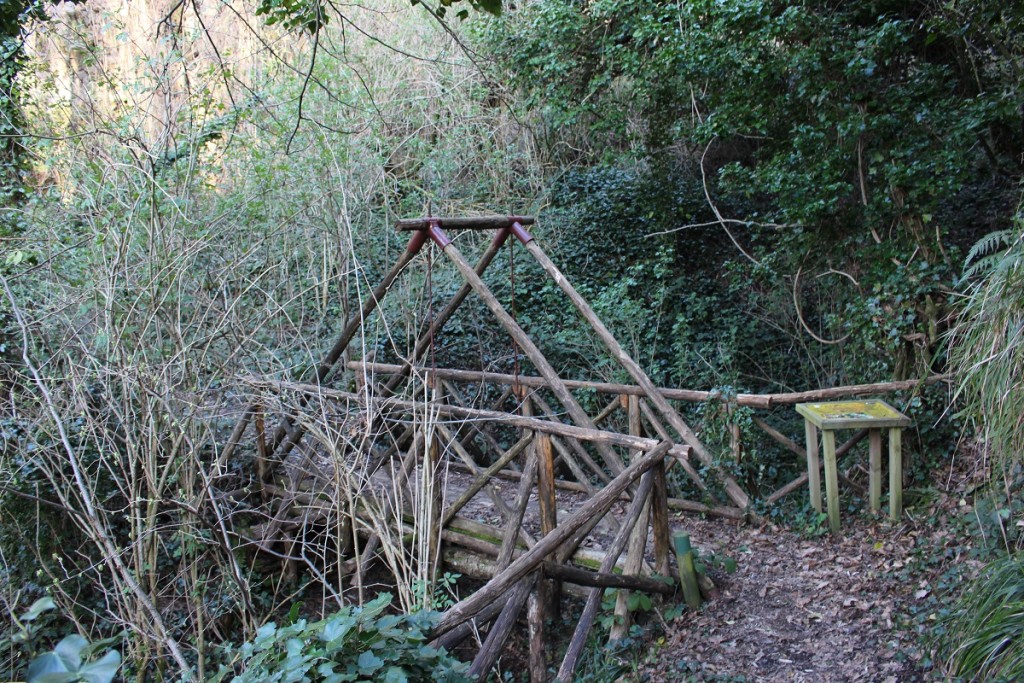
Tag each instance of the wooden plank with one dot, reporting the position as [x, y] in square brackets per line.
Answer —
[463, 222]
[875, 469]
[595, 507]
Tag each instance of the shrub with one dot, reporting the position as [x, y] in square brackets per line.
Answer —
[353, 644]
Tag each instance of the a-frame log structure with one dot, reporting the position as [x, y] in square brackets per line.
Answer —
[526, 566]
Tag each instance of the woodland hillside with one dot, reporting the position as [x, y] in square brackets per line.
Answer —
[756, 197]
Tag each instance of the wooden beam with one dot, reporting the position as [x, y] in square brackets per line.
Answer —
[596, 436]
[463, 222]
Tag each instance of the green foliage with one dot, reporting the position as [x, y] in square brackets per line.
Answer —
[67, 663]
[984, 636]
[313, 15]
[353, 644]
[986, 350]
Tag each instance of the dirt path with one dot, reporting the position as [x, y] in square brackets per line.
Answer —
[805, 609]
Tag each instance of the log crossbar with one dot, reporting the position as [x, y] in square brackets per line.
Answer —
[463, 223]
[758, 401]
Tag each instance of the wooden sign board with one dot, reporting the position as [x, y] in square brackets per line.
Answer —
[871, 414]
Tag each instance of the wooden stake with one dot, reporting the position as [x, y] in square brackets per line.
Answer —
[489, 651]
[687, 570]
[548, 505]
[536, 612]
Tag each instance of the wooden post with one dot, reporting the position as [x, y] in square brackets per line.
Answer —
[596, 506]
[659, 522]
[828, 442]
[735, 439]
[734, 491]
[875, 469]
[638, 537]
[435, 491]
[813, 477]
[546, 485]
[895, 473]
[687, 570]
[548, 504]
[536, 614]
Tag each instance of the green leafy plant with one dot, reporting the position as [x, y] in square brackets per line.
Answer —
[69, 662]
[353, 644]
[984, 636]
[986, 348]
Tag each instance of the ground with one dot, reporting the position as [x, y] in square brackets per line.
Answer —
[804, 607]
